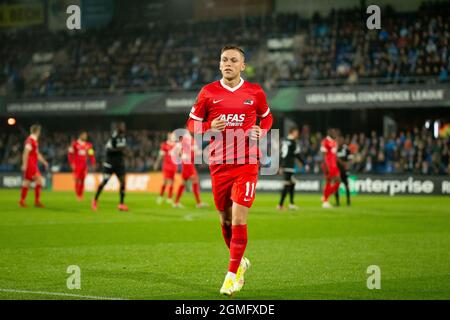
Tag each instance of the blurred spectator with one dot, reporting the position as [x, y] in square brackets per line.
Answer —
[411, 47]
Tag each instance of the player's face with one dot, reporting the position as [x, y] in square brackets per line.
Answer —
[295, 134]
[332, 133]
[83, 136]
[121, 128]
[231, 64]
[38, 133]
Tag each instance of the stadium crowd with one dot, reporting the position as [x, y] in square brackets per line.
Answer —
[406, 152]
[410, 47]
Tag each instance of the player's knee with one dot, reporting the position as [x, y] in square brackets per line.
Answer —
[238, 220]
[240, 214]
[224, 219]
[39, 181]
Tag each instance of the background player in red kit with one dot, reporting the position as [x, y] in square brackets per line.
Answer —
[169, 167]
[187, 149]
[78, 155]
[232, 105]
[330, 168]
[30, 158]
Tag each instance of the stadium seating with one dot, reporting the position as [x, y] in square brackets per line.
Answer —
[410, 48]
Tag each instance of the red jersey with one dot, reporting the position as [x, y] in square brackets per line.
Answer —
[188, 149]
[31, 144]
[79, 152]
[239, 107]
[167, 151]
[329, 147]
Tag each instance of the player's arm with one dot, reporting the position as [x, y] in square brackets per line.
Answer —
[298, 156]
[91, 155]
[42, 160]
[196, 123]
[265, 117]
[324, 151]
[158, 159]
[71, 156]
[25, 155]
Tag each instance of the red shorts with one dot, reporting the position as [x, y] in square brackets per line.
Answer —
[169, 174]
[234, 183]
[80, 173]
[31, 173]
[188, 171]
[331, 171]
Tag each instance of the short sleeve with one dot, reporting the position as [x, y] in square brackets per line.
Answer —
[199, 109]
[90, 150]
[262, 109]
[323, 146]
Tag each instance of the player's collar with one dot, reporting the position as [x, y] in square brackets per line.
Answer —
[33, 136]
[330, 138]
[230, 88]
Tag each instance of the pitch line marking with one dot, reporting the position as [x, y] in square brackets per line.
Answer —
[60, 294]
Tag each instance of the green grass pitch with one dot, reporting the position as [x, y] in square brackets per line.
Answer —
[156, 252]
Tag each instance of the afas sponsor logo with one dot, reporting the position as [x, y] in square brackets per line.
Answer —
[233, 119]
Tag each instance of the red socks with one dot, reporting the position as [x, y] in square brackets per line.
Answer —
[327, 191]
[335, 187]
[170, 191]
[79, 188]
[163, 188]
[180, 192]
[23, 194]
[226, 232]
[196, 190]
[237, 246]
[37, 193]
[330, 189]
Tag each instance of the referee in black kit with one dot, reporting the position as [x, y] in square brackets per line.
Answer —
[344, 156]
[290, 152]
[116, 148]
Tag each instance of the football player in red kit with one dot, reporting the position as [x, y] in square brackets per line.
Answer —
[187, 150]
[330, 167]
[78, 155]
[169, 167]
[230, 107]
[30, 158]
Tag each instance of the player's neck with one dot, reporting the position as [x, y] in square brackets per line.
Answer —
[232, 82]
[81, 141]
[34, 136]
